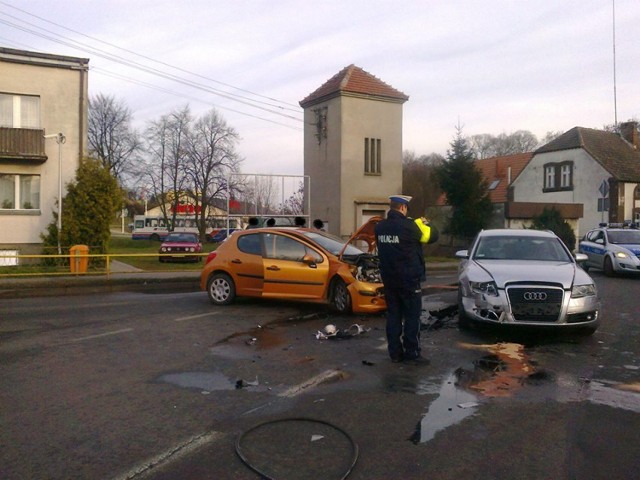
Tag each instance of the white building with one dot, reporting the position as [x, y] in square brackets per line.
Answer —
[41, 96]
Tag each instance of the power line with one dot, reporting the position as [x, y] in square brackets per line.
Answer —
[142, 56]
[105, 72]
[132, 64]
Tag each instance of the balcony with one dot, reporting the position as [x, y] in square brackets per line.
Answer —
[22, 145]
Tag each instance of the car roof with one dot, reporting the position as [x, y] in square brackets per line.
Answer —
[516, 232]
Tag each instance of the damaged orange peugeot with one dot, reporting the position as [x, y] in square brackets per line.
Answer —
[297, 263]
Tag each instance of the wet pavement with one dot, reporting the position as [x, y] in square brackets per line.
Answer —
[189, 385]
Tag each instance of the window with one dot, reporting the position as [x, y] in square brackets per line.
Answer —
[558, 176]
[372, 156]
[19, 192]
[19, 111]
[250, 244]
[285, 248]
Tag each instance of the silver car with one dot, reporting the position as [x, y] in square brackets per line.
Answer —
[612, 249]
[527, 278]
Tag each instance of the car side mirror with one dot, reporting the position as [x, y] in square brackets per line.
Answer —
[581, 257]
[462, 254]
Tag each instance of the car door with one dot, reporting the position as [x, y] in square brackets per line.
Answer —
[245, 263]
[594, 247]
[293, 269]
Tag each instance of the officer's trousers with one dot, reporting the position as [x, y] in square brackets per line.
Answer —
[403, 323]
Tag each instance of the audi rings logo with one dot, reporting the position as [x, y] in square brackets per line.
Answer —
[535, 296]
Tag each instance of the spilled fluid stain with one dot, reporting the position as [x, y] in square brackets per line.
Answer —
[503, 371]
[258, 337]
[452, 405]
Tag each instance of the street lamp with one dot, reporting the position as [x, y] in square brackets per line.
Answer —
[60, 139]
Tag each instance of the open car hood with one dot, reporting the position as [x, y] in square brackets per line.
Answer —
[364, 235]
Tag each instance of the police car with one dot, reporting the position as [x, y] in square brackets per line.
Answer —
[612, 248]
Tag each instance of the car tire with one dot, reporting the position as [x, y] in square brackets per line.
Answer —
[155, 237]
[607, 267]
[340, 297]
[463, 320]
[221, 289]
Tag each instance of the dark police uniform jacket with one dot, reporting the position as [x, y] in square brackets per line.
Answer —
[399, 240]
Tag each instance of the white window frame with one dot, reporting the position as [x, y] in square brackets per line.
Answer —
[20, 105]
[18, 202]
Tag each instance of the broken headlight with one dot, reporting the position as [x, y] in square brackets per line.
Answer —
[485, 288]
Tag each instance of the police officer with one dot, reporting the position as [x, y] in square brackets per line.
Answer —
[399, 240]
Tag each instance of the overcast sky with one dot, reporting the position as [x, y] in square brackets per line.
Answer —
[493, 66]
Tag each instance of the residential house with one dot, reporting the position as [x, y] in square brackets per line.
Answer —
[43, 136]
[352, 148]
[584, 168]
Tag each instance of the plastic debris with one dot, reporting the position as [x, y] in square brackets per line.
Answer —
[331, 332]
[468, 404]
[315, 438]
[244, 384]
[252, 341]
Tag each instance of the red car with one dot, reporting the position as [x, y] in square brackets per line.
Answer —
[180, 247]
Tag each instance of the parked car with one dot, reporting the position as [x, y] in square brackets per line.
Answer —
[527, 278]
[297, 263]
[613, 248]
[180, 247]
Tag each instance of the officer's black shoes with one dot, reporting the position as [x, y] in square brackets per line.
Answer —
[418, 361]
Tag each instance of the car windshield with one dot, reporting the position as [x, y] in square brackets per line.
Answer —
[624, 237]
[181, 238]
[521, 248]
[331, 243]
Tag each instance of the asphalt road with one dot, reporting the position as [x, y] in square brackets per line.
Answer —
[145, 385]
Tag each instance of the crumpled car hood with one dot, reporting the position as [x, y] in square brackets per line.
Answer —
[506, 271]
[366, 233]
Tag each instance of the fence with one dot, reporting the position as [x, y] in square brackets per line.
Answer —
[78, 262]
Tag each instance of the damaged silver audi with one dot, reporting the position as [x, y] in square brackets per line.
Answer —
[528, 278]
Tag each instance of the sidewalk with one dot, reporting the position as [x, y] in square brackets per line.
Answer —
[124, 277]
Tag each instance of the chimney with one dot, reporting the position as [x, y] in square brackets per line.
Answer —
[629, 131]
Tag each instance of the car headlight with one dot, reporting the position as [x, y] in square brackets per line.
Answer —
[579, 291]
[486, 288]
[622, 255]
[191, 249]
[163, 249]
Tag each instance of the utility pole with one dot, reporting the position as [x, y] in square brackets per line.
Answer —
[60, 139]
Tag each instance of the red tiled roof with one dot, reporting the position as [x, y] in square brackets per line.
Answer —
[356, 81]
[496, 170]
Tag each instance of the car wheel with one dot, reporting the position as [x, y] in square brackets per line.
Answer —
[341, 297]
[463, 319]
[608, 267]
[221, 289]
[154, 238]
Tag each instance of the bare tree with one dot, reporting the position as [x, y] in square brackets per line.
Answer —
[486, 145]
[167, 145]
[419, 181]
[549, 136]
[294, 205]
[112, 139]
[211, 159]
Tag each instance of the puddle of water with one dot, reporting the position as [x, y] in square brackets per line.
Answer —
[205, 381]
[451, 407]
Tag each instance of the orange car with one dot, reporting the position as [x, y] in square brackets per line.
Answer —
[297, 263]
